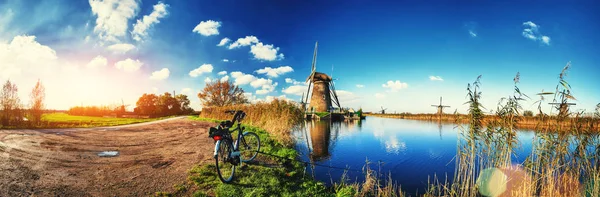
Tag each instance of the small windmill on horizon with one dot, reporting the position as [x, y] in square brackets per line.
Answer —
[440, 107]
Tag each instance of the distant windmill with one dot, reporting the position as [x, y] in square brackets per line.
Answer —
[323, 91]
[383, 110]
[563, 106]
[440, 108]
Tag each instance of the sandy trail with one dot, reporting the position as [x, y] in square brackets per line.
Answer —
[64, 162]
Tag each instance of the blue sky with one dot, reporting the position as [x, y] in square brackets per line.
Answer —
[402, 55]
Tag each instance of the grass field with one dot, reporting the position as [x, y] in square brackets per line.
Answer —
[63, 120]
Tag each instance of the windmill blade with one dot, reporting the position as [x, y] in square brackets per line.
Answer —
[435, 105]
[308, 92]
[335, 97]
[314, 64]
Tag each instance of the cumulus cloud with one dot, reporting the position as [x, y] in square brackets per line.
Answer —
[435, 78]
[112, 17]
[265, 85]
[360, 86]
[225, 78]
[394, 86]
[241, 78]
[222, 73]
[275, 72]
[266, 52]
[140, 28]
[186, 90]
[129, 65]
[347, 96]
[240, 42]
[293, 81]
[23, 53]
[120, 48]
[207, 80]
[160, 74]
[225, 60]
[379, 95]
[98, 61]
[532, 32]
[224, 41]
[204, 68]
[208, 28]
[296, 90]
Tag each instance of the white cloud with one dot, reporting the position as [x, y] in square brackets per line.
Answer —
[225, 78]
[98, 61]
[379, 95]
[208, 28]
[225, 60]
[275, 72]
[546, 40]
[140, 28]
[205, 68]
[160, 74]
[129, 65]
[207, 80]
[224, 41]
[472, 33]
[265, 85]
[346, 97]
[293, 81]
[360, 86]
[222, 73]
[435, 78]
[112, 17]
[240, 42]
[394, 86]
[296, 90]
[186, 90]
[265, 52]
[241, 78]
[120, 48]
[23, 53]
[532, 32]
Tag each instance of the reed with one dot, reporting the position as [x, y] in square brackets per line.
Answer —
[277, 117]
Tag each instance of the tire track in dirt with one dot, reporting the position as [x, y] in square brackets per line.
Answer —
[152, 157]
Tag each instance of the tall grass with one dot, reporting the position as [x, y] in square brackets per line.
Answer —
[277, 117]
[563, 162]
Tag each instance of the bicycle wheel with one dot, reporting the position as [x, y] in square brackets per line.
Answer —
[223, 159]
[249, 147]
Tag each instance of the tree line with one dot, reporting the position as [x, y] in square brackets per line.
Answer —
[12, 110]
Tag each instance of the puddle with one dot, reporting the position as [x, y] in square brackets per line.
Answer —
[108, 154]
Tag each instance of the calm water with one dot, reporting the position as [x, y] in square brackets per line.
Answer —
[411, 150]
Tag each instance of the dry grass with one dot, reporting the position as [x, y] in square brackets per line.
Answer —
[277, 117]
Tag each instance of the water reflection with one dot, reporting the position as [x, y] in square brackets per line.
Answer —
[320, 136]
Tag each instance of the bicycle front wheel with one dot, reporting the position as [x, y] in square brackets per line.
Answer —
[223, 160]
[249, 147]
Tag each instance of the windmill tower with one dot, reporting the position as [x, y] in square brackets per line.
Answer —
[383, 110]
[323, 91]
[440, 108]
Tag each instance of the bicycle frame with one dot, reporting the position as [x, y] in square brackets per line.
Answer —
[236, 144]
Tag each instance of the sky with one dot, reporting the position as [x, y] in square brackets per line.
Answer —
[399, 55]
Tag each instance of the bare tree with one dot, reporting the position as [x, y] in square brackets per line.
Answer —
[10, 103]
[220, 94]
[37, 96]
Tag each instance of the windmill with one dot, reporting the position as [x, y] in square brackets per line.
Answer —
[323, 91]
[563, 106]
[383, 110]
[440, 108]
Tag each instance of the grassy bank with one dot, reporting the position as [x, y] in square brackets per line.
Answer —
[277, 117]
[268, 176]
[63, 120]
[537, 123]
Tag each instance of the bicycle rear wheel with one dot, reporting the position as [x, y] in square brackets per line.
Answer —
[223, 160]
[249, 147]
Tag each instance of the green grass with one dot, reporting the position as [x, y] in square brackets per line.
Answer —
[322, 114]
[63, 120]
[286, 179]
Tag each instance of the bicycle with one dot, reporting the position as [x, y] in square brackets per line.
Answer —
[227, 154]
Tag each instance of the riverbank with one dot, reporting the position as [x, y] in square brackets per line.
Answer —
[63, 120]
[548, 124]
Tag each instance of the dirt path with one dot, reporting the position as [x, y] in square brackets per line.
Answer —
[64, 162]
